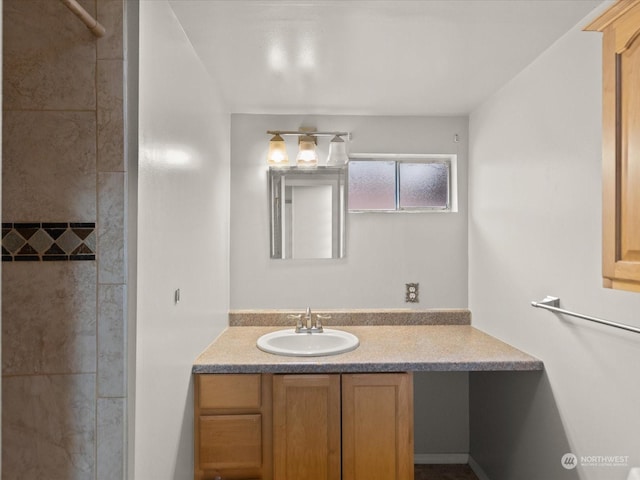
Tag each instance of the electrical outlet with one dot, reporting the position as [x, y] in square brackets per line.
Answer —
[411, 293]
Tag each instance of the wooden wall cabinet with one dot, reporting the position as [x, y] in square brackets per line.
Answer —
[620, 25]
[304, 427]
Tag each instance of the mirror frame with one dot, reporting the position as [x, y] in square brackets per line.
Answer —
[281, 178]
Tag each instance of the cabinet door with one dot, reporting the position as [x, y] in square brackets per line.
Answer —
[306, 427]
[377, 426]
[621, 144]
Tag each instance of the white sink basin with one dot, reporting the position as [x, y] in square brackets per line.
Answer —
[292, 344]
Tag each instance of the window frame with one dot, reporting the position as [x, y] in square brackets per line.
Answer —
[448, 159]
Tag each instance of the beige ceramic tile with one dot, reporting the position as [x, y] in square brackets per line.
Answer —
[110, 436]
[110, 116]
[48, 317]
[111, 190]
[110, 15]
[111, 341]
[48, 427]
[49, 166]
[49, 57]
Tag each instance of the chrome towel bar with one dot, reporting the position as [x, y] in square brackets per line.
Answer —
[553, 304]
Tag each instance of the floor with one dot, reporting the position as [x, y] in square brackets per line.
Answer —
[444, 472]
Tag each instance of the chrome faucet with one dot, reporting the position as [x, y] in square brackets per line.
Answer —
[307, 317]
[309, 326]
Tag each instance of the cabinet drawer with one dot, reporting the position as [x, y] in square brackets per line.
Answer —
[230, 441]
[229, 391]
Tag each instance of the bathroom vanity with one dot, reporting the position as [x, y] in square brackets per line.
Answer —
[278, 426]
[348, 416]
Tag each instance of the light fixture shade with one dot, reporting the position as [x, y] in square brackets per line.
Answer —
[277, 156]
[307, 156]
[337, 151]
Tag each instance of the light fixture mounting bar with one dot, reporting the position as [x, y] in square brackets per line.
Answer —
[310, 134]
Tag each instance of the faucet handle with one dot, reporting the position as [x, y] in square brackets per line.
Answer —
[298, 319]
[320, 319]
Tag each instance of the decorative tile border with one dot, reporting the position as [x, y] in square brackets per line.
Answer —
[53, 241]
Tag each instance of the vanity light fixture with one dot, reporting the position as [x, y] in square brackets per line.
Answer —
[277, 156]
[337, 151]
[307, 156]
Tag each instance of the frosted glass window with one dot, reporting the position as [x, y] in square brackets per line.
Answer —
[423, 185]
[402, 183]
[372, 185]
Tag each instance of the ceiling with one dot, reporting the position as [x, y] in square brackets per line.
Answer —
[374, 57]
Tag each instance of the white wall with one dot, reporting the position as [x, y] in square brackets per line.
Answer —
[534, 229]
[183, 239]
[383, 251]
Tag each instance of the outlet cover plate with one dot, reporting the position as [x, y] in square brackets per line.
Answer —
[411, 293]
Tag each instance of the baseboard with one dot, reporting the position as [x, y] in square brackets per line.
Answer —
[477, 469]
[440, 458]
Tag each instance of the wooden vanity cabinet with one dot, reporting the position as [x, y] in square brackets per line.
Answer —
[349, 426]
[304, 427]
[620, 25]
[232, 427]
[377, 426]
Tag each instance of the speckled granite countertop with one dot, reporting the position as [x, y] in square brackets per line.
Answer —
[383, 348]
[342, 318]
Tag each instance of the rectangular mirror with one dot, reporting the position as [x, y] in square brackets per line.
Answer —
[307, 210]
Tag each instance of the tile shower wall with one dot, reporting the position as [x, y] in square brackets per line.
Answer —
[64, 176]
